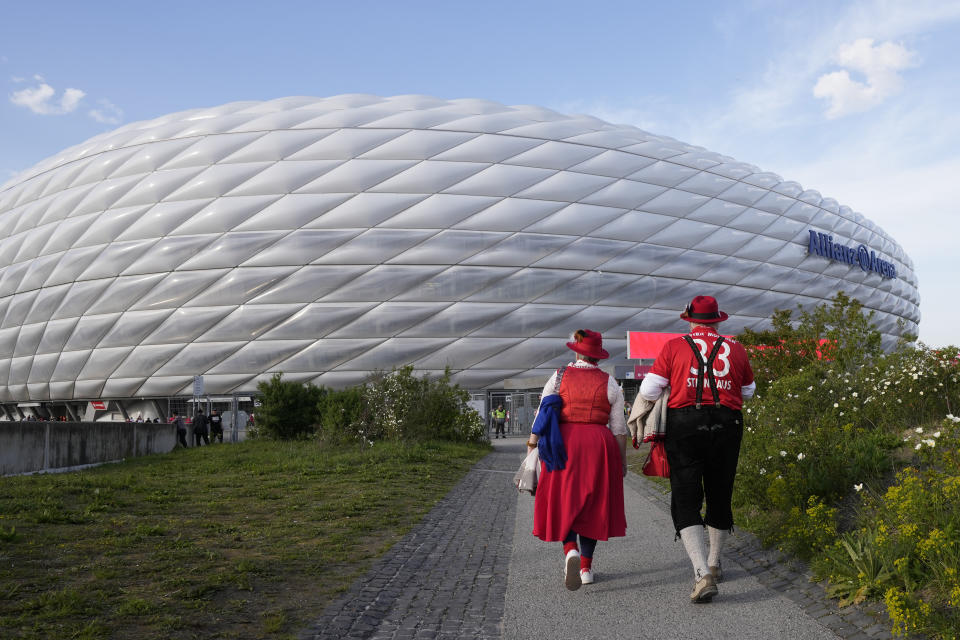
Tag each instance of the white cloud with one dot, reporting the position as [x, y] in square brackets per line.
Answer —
[41, 99]
[777, 97]
[880, 64]
[107, 112]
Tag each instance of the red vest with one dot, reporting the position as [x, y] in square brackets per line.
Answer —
[584, 393]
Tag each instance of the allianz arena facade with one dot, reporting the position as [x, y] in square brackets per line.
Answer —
[326, 238]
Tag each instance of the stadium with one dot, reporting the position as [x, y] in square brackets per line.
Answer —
[329, 238]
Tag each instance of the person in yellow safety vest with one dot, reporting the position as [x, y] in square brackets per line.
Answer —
[499, 420]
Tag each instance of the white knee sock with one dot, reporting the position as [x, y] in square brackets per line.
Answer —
[717, 538]
[696, 548]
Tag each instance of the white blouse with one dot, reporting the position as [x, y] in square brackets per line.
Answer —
[618, 422]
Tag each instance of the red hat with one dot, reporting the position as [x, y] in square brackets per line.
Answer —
[703, 310]
[588, 343]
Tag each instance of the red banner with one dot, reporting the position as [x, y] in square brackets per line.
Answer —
[99, 406]
[646, 345]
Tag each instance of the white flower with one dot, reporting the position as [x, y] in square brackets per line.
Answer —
[918, 446]
[763, 471]
[936, 434]
[810, 388]
[930, 442]
[783, 454]
[854, 394]
[836, 405]
[841, 413]
[800, 456]
[858, 487]
[748, 410]
[919, 429]
[791, 432]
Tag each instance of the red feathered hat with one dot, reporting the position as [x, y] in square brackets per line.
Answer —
[588, 343]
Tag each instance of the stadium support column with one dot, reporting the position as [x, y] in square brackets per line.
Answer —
[235, 406]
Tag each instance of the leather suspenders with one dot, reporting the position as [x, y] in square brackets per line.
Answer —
[708, 367]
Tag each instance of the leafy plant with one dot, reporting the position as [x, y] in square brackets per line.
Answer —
[835, 416]
[856, 567]
[287, 409]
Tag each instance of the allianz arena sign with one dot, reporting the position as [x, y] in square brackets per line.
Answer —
[822, 244]
[327, 238]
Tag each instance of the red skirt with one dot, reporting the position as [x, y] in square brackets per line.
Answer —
[587, 495]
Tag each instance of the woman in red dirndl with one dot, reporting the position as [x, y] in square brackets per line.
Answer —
[584, 499]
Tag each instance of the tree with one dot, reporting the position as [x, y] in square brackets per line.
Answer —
[288, 410]
[839, 333]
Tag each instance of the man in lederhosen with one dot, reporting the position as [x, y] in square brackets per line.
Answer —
[709, 377]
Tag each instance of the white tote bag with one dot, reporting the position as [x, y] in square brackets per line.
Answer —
[528, 474]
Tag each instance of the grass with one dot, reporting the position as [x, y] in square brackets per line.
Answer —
[243, 541]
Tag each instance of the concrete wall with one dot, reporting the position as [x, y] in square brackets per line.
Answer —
[27, 447]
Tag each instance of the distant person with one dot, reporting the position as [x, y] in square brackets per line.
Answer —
[200, 428]
[709, 378]
[216, 425]
[499, 417]
[177, 421]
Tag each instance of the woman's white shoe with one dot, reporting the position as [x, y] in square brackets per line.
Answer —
[571, 575]
[586, 576]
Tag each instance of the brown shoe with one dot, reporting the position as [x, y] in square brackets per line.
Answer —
[704, 590]
[717, 573]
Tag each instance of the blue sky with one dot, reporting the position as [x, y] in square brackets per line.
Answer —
[857, 100]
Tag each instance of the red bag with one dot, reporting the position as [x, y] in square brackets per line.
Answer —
[656, 463]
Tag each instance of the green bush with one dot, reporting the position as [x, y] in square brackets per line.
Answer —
[406, 407]
[851, 459]
[396, 406]
[839, 333]
[287, 409]
[343, 416]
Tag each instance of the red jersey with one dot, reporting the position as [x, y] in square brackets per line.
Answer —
[678, 364]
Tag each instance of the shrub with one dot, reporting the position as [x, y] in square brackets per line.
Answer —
[288, 410]
[343, 416]
[396, 406]
[403, 406]
[838, 426]
[840, 333]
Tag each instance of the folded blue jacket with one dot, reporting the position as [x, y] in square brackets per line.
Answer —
[547, 427]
